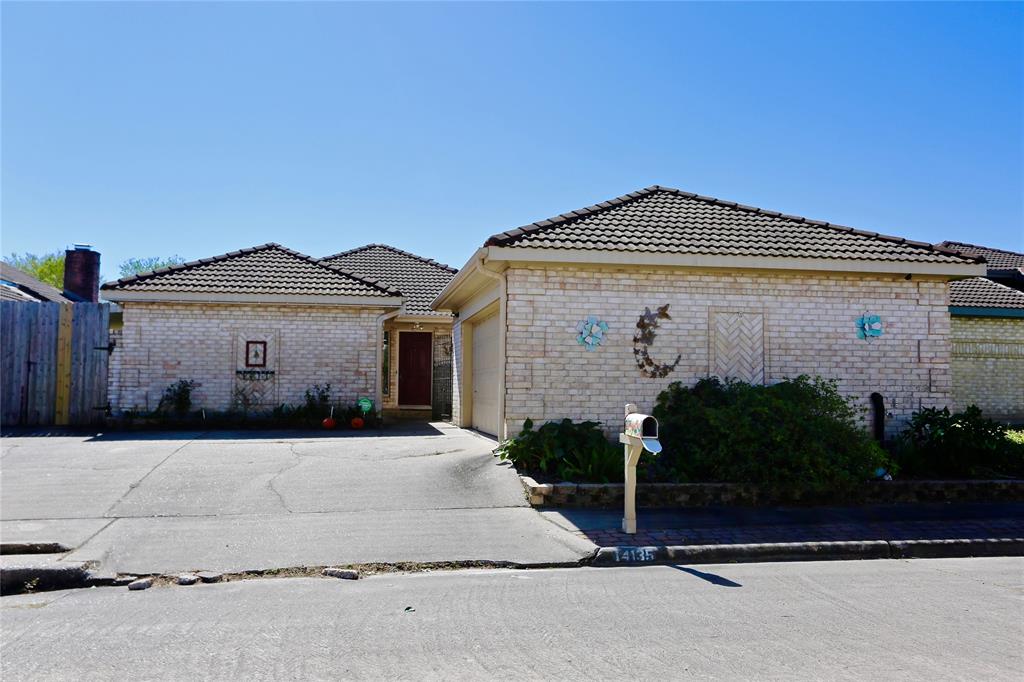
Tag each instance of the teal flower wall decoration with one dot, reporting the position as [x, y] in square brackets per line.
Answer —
[869, 326]
[590, 332]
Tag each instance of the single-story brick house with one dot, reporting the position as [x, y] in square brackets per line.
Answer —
[578, 314]
[257, 327]
[987, 330]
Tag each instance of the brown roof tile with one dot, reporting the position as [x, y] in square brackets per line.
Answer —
[420, 279]
[267, 269]
[979, 292]
[997, 259]
[665, 220]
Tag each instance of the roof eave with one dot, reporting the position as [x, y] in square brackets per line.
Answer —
[465, 282]
[981, 311]
[123, 296]
[635, 258]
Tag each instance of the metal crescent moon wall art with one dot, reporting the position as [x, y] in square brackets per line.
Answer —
[643, 339]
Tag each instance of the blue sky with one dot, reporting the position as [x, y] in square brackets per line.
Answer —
[195, 129]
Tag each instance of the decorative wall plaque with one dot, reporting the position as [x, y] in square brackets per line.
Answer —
[255, 353]
[869, 326]
[643, 339]
[590, 332]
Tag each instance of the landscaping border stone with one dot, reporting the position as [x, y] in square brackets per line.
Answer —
[661, 495]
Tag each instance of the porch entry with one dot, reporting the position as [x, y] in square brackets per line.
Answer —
[415, 364]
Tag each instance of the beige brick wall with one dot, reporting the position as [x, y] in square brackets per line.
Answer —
[807, 322]
[164, 342]
[988, 365]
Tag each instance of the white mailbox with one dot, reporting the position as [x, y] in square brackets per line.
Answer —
[639, 435]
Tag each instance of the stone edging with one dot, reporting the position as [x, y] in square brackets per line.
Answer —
[653, 495]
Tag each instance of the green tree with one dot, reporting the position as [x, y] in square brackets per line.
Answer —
[48, 267]
[134, 266]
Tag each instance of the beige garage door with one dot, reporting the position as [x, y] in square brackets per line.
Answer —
[485, 375]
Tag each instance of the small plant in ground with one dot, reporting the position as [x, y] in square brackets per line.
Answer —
[941, 444]
[177, 397]
[318, 401]
[566, 450]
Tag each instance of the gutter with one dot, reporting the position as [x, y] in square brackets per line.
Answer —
[972, 311]
[461, 276]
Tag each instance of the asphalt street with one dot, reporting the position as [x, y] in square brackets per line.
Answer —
[939, 619]
[163, 502]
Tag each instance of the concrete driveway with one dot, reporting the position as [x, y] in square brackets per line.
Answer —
[235, 501]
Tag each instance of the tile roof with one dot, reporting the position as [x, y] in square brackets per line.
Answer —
[30, 287]
[420, 279]
[979, 292]
[997, 259]
[665, 220]
[267, 269]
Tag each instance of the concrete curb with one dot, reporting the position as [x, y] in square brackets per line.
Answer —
[15, 579]
[807, 551]
[935, 549]
[38, 547]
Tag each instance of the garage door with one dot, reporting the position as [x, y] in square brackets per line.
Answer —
[485, 375]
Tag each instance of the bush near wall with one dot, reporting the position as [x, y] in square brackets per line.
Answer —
[964, 445]
[792, 438]
[565, 451]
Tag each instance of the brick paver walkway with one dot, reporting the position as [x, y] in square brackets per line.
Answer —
[885, 530]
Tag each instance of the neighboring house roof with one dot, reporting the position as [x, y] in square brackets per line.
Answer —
[996, 259]
[21, 286]
[261, 273]
[419, 279]
[981, 295]
[669, 221]
[9, 292]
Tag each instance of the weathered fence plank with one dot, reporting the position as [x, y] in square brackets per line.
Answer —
[32, 367]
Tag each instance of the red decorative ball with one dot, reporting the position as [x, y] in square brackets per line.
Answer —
[357, 422]
[329, 423]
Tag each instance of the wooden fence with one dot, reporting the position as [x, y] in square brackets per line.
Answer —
[53, 363]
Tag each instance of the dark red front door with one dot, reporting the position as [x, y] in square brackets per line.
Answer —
[414, 368]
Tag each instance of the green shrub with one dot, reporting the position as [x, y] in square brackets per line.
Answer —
[1016, 436]
[318, 401]
[565, 450]
[177, 398]
[792, 438]
[940, 444]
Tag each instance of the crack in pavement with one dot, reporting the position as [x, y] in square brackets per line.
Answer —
[133, 486]
[287, 467]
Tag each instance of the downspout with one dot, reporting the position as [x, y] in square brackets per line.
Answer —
[379, 396]
[499, 277]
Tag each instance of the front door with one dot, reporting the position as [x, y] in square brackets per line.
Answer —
[414, 365]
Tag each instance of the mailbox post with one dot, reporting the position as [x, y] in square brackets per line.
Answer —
[639, 435]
